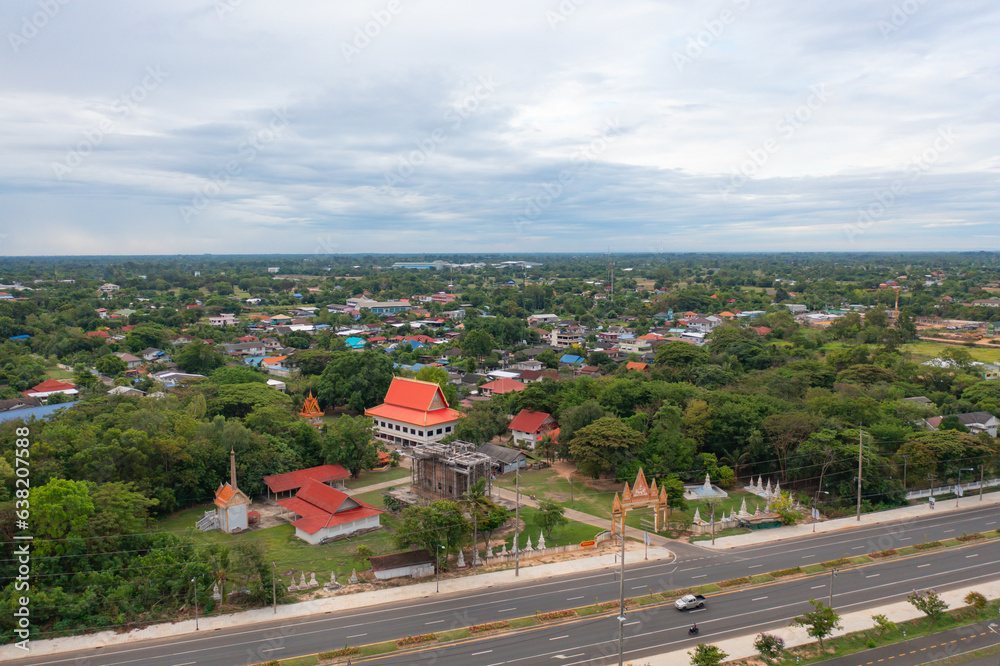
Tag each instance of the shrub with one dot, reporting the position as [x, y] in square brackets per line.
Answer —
[557, 615]
[769, 646]
[489, 626]
[413, 640]
[884, 553]
[733, 582]
[786, 572]
[883, 624]
[926, 545]
[843, 561]
[970, 537]
[976, 600]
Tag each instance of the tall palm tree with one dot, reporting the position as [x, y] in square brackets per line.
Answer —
[221, 567]
[736, 459]
[478, 503]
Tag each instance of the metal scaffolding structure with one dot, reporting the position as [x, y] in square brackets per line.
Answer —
[448, 470]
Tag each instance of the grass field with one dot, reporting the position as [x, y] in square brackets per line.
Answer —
[546, 484]
[923, 351]
[564, 535]
[370, 477]
[289, 553]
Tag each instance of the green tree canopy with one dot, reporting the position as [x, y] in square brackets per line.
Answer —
[603, 446]
[357, 380]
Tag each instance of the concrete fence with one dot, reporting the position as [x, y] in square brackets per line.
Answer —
[972, 487]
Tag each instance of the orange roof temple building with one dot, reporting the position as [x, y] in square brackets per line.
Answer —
[414, 413]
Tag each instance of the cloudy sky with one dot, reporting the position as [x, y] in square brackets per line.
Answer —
[224, 126]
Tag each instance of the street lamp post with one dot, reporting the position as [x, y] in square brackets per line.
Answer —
[195, 581]
[437, 572]
[958, 488]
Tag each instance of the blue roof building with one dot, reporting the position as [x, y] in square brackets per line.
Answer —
[570, 359]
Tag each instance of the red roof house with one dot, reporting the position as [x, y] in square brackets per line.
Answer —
[636, 365]
[279, 483]
[48, 387]
[325, 512]
[529, 428]
[501, 386]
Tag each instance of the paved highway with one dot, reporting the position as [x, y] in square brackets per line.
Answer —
[655, 630]
[692, 566]
[929, 649]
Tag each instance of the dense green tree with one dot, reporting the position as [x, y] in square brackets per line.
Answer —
[199, 358]
[239, 400]
[550, 516]
[357, 380]
[431, 527]
[604, 446]
[348, 443]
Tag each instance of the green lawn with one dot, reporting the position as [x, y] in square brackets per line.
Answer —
[924, 350]
[370, 477]
[546, 484]
[289, 553]
[564, 535]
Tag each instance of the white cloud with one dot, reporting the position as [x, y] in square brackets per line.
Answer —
[685, 131]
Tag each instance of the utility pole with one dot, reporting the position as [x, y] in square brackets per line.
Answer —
[517, 520]
[860, 441]
[274, 588]
[195, 581]
[905, 456]
[621, 602]
[713, 523]
[982, 468]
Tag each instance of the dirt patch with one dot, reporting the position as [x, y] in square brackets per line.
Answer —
[270, 515]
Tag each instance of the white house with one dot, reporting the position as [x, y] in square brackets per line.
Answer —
[529, 428]
[225, 319]
[324, 512]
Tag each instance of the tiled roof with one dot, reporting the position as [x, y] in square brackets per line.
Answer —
[501, 386]
[279, 483]
[413, 394]
[322, 506]
[635, 365]
[529, 422]
[51, 385]
[414, 416]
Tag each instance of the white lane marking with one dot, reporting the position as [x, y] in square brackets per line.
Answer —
[754, 566]
[816, 587]
[640, 587]
[567, 656]
[921, 566]
[574, 598]
[701, 576]
[948, 531]
[474, 654]
[434, 622]
[556, 638]
[628, 624]
[506, 610]
[688, 569]
[973, 555]
[805, 556]
[759, 599]
[872, 576]
[905, 538]
[357, 635]
[272, 649]
[186, 663]
[992, 522]
[857, 548]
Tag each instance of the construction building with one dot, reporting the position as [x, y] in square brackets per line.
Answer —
[446, 471]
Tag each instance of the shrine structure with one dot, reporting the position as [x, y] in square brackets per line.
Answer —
[639, 495]
[310, 409]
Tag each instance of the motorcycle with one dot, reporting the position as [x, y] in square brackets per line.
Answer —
[693, 630]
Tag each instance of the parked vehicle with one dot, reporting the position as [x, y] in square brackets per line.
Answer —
[689, 602]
